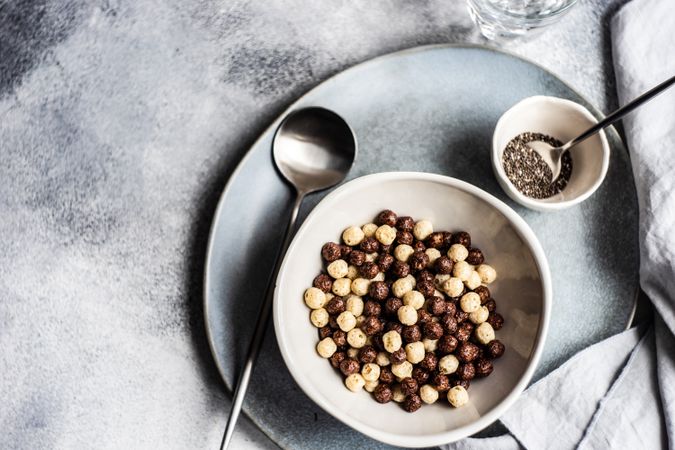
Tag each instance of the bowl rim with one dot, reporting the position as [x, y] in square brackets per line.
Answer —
[510, 189]
[414, 441]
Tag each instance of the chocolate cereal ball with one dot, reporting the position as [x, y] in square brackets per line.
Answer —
[464, 331]
[483, 293]
[429, 362]
[491, 305]
[325, 332]
[496, 320]
[449, 323]
[372, 326]
[382, 393]
[444, 265]
[467, 352]
[400, 269]
[357, 258]
[466, 371]
[419, 246]
[495, 349]
[340, 339]
[386, 217]
[412, 403]
[475, 256]
[384, 262]
[483, 368]
[392, 305]
[331, 251]
[418, 261]
[420, 375]
[435, 240]
[369, 270]
[369, 245]
[447, 344]
[462, 238]
[441, 382]
[335, 306]
[426, 288]
[367, 354]
[323, 282]
[372, 308]
[349, 366]
[409, 386]
[378, 290]
[436, 306]
[423, 317]
[395, 326]
[399, 356]
[433, 330]
[405, 223]
[412, 333]
[336, 359]
[457, 382]
[424, 275]
[345, 250]
[386, 376]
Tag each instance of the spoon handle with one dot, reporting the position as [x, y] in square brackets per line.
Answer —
[259, 333]
[619, 113]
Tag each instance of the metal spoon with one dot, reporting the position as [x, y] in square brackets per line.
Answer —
[553, 155]
[314, 149]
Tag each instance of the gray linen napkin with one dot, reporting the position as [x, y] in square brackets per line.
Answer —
[620, 393]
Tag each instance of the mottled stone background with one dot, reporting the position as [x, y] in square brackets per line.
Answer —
[120, 121]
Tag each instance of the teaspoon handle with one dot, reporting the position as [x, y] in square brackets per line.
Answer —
[259, 332]
[619, 113]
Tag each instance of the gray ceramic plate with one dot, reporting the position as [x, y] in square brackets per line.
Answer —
[428, 109]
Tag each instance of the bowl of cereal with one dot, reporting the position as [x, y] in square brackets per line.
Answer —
[413, 307]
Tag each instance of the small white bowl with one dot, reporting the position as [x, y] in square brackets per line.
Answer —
[563, 120]
[522, 291]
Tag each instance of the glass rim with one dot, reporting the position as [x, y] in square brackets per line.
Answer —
[547, 16]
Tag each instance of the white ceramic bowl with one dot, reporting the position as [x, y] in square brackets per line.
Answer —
[564, 120]
[522, 291]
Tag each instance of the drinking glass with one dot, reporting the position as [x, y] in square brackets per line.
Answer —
[504, 19]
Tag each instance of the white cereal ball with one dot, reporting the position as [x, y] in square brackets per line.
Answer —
[371, 385]
[369, 229]
[371, 257]
[485, 333]
[378, 277]
[415, 352]
[382, 359]
[402, 370]
[397, 394]
[458, 252]
[352, 272]
[462, 270]
[428, 394]
[400, 287]
[433, 255]
[474, 280]
[338, 268]
[354, 305]
[353, 353]
[480, 315]
[326, 347]
[453, 287]
[423, 229]
[440, 279]
[469, 302]
[342, 286]
[385, 234]
[356, 338]
[346, 321]
[402, 252]
[360, 320]
[448, 364]
[370, 372]
[329, 296]
[359, 286]
[430, 344]
[353, 236]
[457, 396]
[414, 299]
[487, 273]
[392, 341]
[319, 317]
[315, 298]
[412, 280]
[355, 382]
[407, 315]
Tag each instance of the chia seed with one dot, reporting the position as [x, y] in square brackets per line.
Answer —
[528, 172]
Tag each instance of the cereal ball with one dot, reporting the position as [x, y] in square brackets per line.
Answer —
[355, 382]
[404, 237]
[335, 306]
[428, 394]
[485, 333]
[496, 320]
[457, 253]
[402, 370]
[405, 223]
[382, 359]
[338, 268]
[386, 217]
[414, 352]
[400, 269]
[474, 280]
[372, 308]
[412, 280]
[449, 322]
[369, 245]
[345, 250]
[466, 371]
[353, 236]
[429, 362]
[464, 383]
[359, 286]
[360, 320]
[462, 270]
[475, 256]
[418, 260]
[457, 396]
[409, 386]
[349, 366]
[447, 344]
[412, 403]
[483, 368]
[463, 238]
[356, 338]
[352, 272]
[435, 240]
[433, 254]
[419, 246]
[336, 359]
[401, 287]
[420, 375]
[357, 258]
[424, 275]
[330, 251]
[448, 364]
[467, 352]
[315, 298]
[453, 287]
[444, 265]
[395, 326]
[378, 290]
[384, 262]
[369, 229]
[346, 321]
[411, 333]
[385, 234]
[370, 372]
[436, 306]
[398, 356]
[379, 277]
[326, 347]
[433, 330]
[423, 229]
[480, 315]
[392, 341]
[340, 338]
[392, 305]
[367, 354]
[342, 286]
[440, 279]
[386, 376]
[403, 252]
[382, 393]
[407, 315]
[353, 353]
[371, 385]
[369, 270]
[495, 349]
[430, 345]
[325, 332]
[464, 330]
[319, 317]
[469, 302]
[397, 394]
[372, 325]
[354, 305]
[487, 273]
[491, 305]
[426, 288]
[462, 316]
[483, 292]
[323, 282]
[441, 382]
[414, 299]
